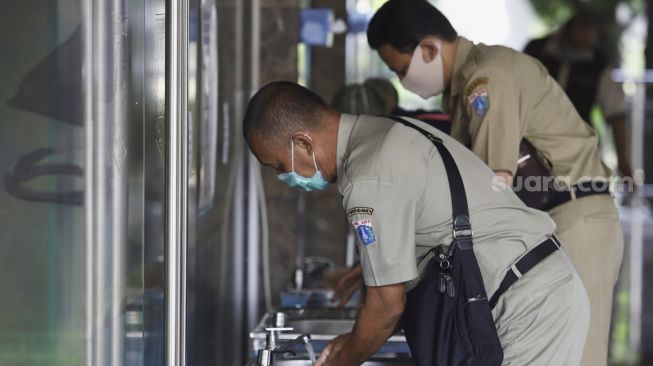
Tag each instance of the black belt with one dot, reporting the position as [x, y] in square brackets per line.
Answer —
[581, 190]
[525, 264]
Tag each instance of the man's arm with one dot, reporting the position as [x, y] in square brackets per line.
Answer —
[383, 216]
[491, 103]
[347, 284]
[611, 98]
[376, 321]
[619, 132]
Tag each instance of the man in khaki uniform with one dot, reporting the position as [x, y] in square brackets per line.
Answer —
[396, 195]
[496, 97]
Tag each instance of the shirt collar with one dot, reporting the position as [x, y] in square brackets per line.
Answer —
[345, 127]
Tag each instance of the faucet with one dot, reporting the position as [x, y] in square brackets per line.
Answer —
[266, 355]
[304, 338]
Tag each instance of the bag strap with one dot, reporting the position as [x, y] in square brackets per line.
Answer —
[462, 228]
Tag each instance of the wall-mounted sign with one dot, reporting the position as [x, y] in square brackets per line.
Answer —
[315, 27]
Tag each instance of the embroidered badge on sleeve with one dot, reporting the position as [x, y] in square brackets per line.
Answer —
[360, 211]
[365, 231]
[479, 102]
[477, 95]
[476, 83]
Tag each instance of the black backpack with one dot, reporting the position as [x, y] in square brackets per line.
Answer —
[447, 319]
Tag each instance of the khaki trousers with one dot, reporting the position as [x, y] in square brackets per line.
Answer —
[590, 232]
[543, 318]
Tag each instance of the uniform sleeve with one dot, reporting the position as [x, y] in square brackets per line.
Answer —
[491, 103]
[383, 217]
[610, 96]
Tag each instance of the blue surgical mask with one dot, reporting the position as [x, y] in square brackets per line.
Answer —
[292, 179]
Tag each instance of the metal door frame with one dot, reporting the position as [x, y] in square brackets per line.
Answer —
[176, 180]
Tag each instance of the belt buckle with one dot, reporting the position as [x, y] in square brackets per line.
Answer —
[556, 241]
[516, 270]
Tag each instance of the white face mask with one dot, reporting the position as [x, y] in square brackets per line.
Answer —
[422, 78]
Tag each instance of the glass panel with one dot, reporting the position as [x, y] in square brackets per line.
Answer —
[41, 159]
[228, 212]
[82, 154]
[216, 334]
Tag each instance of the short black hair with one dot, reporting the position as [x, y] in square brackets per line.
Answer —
[404, 23]
[280, 108]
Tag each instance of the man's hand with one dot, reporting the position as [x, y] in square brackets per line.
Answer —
[376, 321]
[506, 176]
[347, 284]
[327, 355]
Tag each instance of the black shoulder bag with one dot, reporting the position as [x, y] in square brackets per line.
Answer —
[447, 319]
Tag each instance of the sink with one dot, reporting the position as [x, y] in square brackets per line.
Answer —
[322, 326]
[320, 297]
[320, 313]
[373, 362]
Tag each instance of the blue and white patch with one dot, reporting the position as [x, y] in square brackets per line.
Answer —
[479, 102]
[365, 231]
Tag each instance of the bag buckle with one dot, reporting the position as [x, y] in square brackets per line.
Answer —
[462, 227]
[461, 233]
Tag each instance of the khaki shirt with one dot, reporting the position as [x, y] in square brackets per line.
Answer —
[396, 195]
[498, 96]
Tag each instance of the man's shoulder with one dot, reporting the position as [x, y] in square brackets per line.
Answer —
[500, 58]
[383, 148]
[485, 74]
[376, 137]
[500, 65]
[365, 144]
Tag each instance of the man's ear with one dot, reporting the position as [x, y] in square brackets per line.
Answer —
[429, 49]
[303, 141]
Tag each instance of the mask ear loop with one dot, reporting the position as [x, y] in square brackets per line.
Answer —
[292, 156]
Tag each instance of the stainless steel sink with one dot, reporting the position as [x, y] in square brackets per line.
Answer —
[320, 313]
[322, 326]
[376, 362]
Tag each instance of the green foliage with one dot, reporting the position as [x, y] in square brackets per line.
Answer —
[555, 12]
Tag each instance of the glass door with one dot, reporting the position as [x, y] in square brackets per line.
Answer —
[82, 201]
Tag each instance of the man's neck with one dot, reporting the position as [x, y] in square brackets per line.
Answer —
[331, 146]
